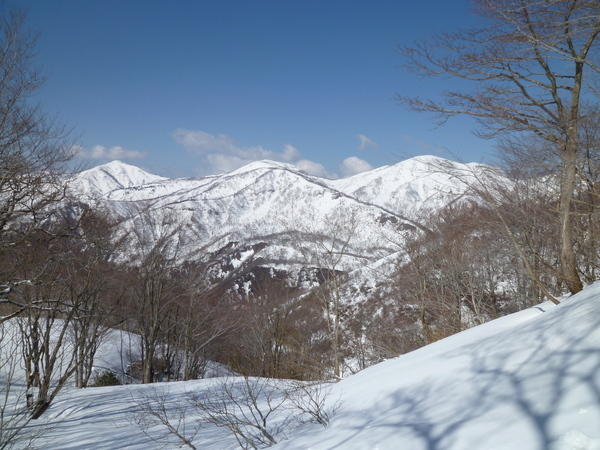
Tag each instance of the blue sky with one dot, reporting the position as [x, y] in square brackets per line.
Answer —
[191, 88]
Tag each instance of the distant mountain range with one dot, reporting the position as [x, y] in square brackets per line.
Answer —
[271, 214]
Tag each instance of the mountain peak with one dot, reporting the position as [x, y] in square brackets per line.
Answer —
[114, 175]
[133, 173]
[265, 164]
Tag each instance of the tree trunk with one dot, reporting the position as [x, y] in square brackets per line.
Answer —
[39, 408]
[568, 260]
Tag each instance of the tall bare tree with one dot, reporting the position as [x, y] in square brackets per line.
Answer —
[34, 151]
[200, 318]
[152, 292]
[90, 279]
[34, 147]
[532, 70]
[325, 248]
[49, 312]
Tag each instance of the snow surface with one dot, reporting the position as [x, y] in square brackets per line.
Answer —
[530, 380]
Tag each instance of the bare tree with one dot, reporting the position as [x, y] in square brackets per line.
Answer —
[531, 67]
[156, 408]
[34, 150]
[48, 352]
[458, 277]
[274, 340]
[257, 412]
[312, 401]
[519, 204]
[325, 246]
[203, 318]
[152, 290]
[246, 407]
[14, 415]
[90, 279]
[47, 308]
[587, 200]
[34, 147]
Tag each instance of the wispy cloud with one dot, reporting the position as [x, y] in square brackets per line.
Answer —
[200, 143]
[220, 153]
[353, 165]
[407, 138]
[365, 142]
[101, 152]
[423, 145]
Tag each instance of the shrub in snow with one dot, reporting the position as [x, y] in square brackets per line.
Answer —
[107, 378]
[258, 412]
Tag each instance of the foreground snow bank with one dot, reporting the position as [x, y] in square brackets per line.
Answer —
[529, 381]
[526, 381]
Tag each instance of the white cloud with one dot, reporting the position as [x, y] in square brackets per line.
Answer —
[220, 163]
[116, 152]
[220, 153]
[290, 153]
[365, 142]
[353, 165]
[314, 168]
[200, 142]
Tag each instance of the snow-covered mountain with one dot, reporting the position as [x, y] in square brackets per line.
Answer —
[272, 205]
[422, 182]
[102, 180]
[529, 380]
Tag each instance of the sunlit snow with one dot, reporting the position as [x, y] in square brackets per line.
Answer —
[530, 380]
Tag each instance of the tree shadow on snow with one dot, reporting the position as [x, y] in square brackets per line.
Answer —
[544, 374]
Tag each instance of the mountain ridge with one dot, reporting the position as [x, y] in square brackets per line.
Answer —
[373, 187]
[274, 208]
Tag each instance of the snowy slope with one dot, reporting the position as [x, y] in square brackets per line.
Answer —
[526, 381]
[530, 380]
